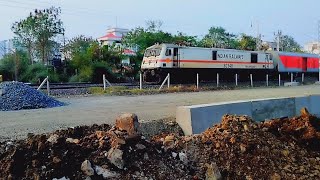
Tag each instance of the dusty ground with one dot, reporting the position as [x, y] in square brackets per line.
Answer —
[104, 109]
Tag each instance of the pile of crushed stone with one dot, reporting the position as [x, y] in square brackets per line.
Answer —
[237, 148]
[18, 96]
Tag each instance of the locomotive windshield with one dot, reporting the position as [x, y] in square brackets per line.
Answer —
[152, 52]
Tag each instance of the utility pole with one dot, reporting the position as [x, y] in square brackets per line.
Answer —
[258, 39]
[278, 38]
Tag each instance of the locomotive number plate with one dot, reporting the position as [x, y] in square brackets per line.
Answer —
[228, 65]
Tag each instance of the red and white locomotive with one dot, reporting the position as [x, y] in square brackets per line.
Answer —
[184, 62]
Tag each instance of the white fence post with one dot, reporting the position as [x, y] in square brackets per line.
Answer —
[48, 87]
[251, 80]
[140, 80]
[279, 79]
[236, 79]
[197, 81]
[217, 79]
[104, 81]
[43, 82]
[168, 80]
[46, 80]
[267, 79]
[302, 77]
[291, 77]
[165, 80]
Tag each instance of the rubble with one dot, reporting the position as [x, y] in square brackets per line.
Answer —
[237, 148]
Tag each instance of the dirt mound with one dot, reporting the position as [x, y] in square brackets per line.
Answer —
[304, 130]
[237, 148]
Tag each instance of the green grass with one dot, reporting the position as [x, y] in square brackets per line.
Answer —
[96, 90]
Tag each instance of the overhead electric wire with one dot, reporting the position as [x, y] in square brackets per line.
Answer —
[80, 11]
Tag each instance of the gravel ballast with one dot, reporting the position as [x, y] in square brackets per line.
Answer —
[19, 96]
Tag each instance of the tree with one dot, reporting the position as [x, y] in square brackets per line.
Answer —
[218, 37]
[247, 42]
[38, 30]
[142, 38]
[78, 45]
[288, 43]
[25, 32]
[185, 40]
[13, 65]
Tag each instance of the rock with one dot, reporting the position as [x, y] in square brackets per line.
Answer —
[100, 134]
[168, 141]
[183, 158]
[145, 156]
[2, 92]
[71, 140]
[115, 157]
[245, 127]
[35, 163]
[232, 140]
[212, 172]
[53, 139]
[87, 168]
[128, 122]
[56, 160]
[140, 146]
[106, 173]
[116, 142]
[41, 146]
[275, 176]
[174, 155]
[63, 178]
[304, 112]
[243, 148]
[285, 153]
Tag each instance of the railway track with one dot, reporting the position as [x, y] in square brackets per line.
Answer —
[78, 85]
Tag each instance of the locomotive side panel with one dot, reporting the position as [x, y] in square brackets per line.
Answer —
[224, 59]
[297, 62]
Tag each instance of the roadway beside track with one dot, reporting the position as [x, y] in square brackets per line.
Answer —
[104, 109]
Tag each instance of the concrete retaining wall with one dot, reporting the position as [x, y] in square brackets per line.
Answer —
[196, 119]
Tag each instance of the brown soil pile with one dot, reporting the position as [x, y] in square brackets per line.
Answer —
[238, 148]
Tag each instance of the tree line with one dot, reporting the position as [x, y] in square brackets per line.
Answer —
[86, 59]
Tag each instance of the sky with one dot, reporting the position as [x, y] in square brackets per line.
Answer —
[297, 18]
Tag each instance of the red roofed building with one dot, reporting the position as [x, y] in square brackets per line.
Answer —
[115, 35]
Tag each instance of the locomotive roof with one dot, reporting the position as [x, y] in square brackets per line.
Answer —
[191, 47]
[298, 54]
[280, 52]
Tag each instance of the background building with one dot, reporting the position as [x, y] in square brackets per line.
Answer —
[312, 47]
[271, 46]
[114, 37]
[9, 46]
[6, 47]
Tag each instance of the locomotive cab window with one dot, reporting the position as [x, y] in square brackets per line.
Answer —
[254, 58]
[168, 52]
[214, 55]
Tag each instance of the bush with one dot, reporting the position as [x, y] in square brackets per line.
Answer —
[35, 73]
[74, 78]
[99, 69]
[85, 74]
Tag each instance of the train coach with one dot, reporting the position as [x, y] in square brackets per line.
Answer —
[183, 63]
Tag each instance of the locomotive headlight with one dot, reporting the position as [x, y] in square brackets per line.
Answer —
[153, 73]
